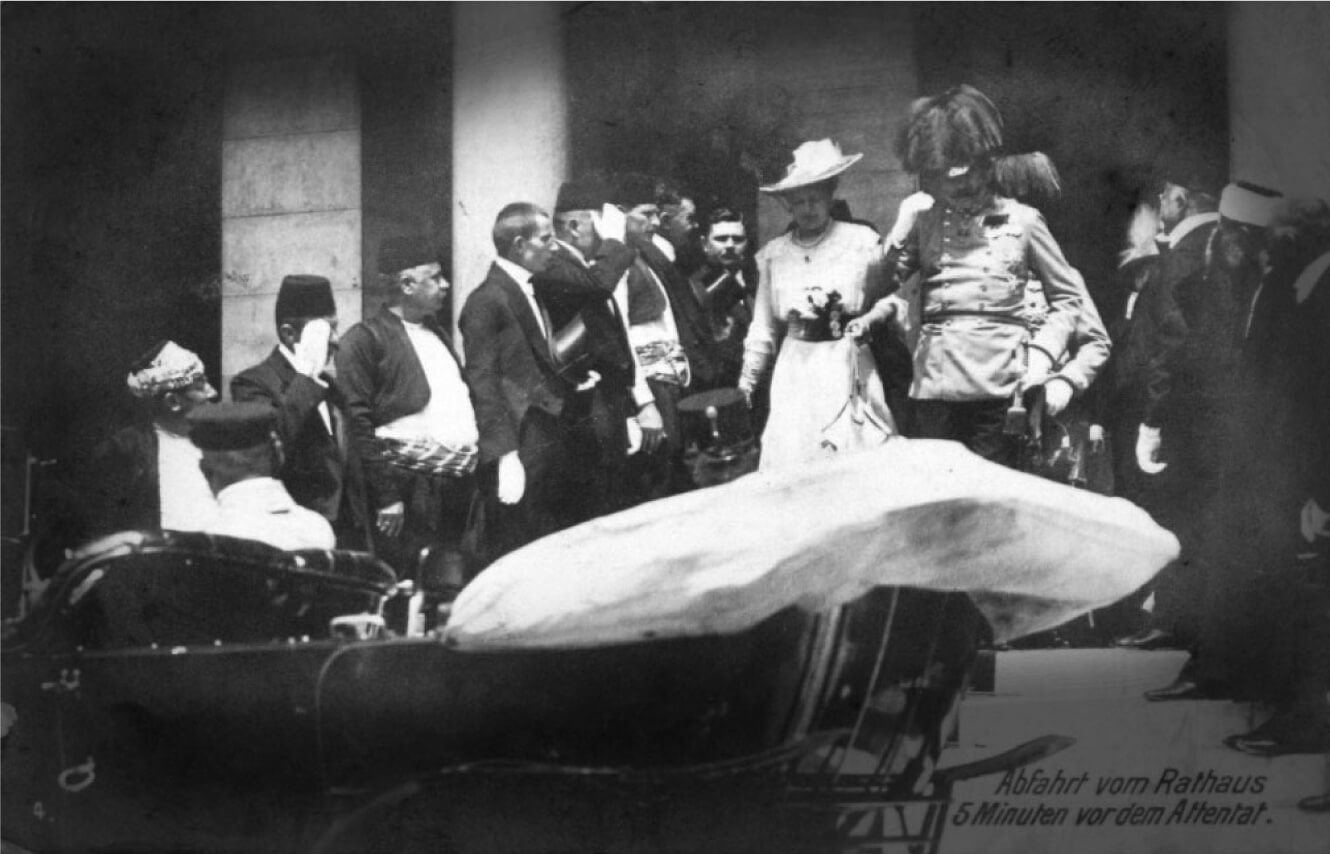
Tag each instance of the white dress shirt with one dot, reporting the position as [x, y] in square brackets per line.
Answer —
[186, 499]
[522, 276]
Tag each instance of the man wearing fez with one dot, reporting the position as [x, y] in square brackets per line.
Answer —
[591, 334]
[294, 380]
[240, 454]
[532, 431]
[147, 475]
[666, 328]
[411, 415]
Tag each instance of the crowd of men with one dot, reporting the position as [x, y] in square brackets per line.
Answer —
[595, 321]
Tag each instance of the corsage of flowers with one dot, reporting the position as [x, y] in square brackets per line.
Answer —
[825, 310]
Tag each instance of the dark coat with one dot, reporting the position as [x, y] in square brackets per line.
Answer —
[121, 477]
[508, 365]
[1164, 324]
[380, 380]
[727, 308]
[569, 289]
[318, 472]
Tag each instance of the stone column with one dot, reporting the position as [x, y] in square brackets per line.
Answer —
[290, 193]
[510, 134]
[1279, 95]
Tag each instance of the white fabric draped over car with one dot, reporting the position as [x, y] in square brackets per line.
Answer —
[1030, 552]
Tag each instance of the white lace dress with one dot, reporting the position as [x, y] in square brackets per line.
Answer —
[813, 382]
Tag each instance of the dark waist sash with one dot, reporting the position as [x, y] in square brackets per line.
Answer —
[817, 328]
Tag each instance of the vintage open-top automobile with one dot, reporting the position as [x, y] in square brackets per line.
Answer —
[189, 692]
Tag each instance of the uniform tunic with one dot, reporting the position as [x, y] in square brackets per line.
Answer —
[973, 270]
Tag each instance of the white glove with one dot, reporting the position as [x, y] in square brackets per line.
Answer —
[1147, 450]
[311, 351]
[612, 224]
[634, 436]
[1038, 367]
[1056, 397]
[1315, 521]
[512, 478]
[911, 206]
[590, 382]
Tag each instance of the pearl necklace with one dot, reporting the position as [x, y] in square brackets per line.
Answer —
[794, 238]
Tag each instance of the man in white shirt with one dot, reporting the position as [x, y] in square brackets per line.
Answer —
[240, 453]
[411, 417]
[147, 476]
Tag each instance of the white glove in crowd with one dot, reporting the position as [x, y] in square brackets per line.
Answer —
[1147, 450]
[512, 478]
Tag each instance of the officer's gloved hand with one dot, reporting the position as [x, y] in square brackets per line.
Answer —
[1057, 395]
[911, 207]
[1147, 450]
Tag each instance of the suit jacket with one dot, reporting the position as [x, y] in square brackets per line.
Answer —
[317, 471]
[689, 320]
[1163, 322]
[380, 380]
[508, 364]
[570, 289]
[727, 309]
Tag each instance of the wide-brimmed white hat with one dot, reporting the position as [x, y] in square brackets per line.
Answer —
[814, 162]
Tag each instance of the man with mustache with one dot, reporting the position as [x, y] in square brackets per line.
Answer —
[974, 250]
[412, 417]
[724, 286]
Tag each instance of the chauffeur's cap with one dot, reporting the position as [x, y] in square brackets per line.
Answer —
[231, 426]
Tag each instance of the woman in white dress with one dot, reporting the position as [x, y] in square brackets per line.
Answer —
[820, 289]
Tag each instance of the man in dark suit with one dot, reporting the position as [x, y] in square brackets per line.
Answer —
[725, 286]
[1225, 488]
[295, 381]
[1188, 216]
[591, 334]
[525, 407]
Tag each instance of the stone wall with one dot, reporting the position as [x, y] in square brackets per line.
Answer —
[291, 199]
